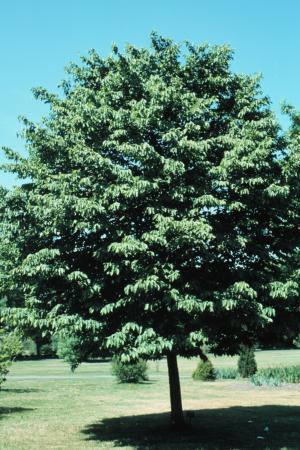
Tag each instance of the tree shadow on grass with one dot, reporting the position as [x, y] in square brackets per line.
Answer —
[98, 360]
[20, 391]
[269, 427]
[4, 411]
[136, 383]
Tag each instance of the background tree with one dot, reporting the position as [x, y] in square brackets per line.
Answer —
[155, 218]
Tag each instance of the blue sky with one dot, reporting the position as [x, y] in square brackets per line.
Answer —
[38, 38]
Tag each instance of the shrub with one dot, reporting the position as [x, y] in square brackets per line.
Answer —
[275, 376]
[296, 341]
[246, 363]
[28, 347]
[130, 372]
[71, 349]
[10, 347]
[204, 371]
[227, 373]
[47, 350]
[3, 372]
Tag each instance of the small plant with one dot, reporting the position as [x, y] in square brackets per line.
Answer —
[276, 376]
[3, 372]
[246, 364]
[10, 347]
[204, 371]
[129, 372]
[72, 350]
[227, 373]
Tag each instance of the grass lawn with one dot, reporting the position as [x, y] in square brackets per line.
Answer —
[44, 406]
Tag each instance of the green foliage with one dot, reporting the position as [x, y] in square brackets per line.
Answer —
[134, 372]
[296, 341]
[28, 347]
[72, 350]
[204, 371]
[276, 376]
[226, 373]
[246, 363]
[10, 347]
[154, 210]
[4, 369]
[47, 350]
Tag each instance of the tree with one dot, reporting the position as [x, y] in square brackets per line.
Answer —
[153, 219]
[285, 327]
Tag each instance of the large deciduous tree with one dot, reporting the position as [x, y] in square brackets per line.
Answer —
[285, 290]
[154, 216]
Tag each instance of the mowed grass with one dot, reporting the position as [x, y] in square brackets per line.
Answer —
[44, 406]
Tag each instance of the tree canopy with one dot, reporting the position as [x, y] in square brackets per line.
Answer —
[155, 212]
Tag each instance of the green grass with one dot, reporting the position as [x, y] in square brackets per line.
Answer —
[44, 406]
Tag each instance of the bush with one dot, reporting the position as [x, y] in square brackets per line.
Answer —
[47, 350]
[71, 349]
[246, 363]
[296, 341]
[28, 347]
[204, 371]
[227, 373]
[10, 347]
[276, 376]
[3, 372]
[130, 372]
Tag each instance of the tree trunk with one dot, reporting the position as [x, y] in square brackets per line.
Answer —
[203, 357]
[177, 418]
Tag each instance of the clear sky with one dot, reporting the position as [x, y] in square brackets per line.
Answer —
[38, 38]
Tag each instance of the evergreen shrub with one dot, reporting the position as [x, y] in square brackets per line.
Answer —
[246, 364]
[204, 371]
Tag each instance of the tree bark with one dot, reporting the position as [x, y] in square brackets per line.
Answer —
[203, 357]
[177, 418]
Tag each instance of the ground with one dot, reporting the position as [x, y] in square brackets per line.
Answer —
[44, 406]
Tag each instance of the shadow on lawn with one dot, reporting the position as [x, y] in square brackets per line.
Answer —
[20, 391]
[237, 428]
[6, 411]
